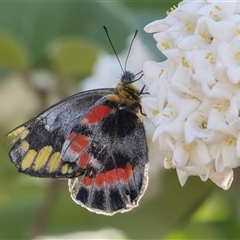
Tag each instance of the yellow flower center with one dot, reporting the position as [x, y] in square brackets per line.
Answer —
[209, 56]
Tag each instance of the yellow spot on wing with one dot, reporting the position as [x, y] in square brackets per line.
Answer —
[42, 157]
[24, 134]
[64, 169]
[28, 159]
[70, 170]
[54, 162]
[16, 132]
[25, 146]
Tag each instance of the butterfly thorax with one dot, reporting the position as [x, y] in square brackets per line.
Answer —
[126, 92]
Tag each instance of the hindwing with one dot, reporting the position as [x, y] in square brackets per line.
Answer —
[113, 154]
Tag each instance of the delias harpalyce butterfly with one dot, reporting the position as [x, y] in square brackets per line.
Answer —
[96, 139]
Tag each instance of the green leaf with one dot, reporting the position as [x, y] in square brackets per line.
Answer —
[73, 56]
[12, 54]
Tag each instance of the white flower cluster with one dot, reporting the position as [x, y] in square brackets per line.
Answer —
[194, 96]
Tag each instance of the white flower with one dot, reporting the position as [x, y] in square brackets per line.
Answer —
[194, 96]
[229, 53]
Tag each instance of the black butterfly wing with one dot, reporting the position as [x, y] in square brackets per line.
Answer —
[99, 143]
[37, 152]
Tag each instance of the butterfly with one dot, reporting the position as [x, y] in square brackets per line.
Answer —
[96, 139]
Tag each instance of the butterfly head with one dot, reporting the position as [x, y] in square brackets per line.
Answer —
[127, 77]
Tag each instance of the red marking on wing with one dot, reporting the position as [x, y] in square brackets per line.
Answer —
[83, 160]
[79, 144]
[71, 136]
[100, 179]
[97, 114]
[87, 181]
[122, 174]
[111, 176]
[128, 170]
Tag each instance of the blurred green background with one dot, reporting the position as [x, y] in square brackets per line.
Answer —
[46, 49]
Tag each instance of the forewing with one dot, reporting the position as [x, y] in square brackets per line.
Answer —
[113, 154]
[37, 152]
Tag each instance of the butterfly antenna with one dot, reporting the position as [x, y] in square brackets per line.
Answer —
[141, 72]
[109, 39]
[135, 34]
